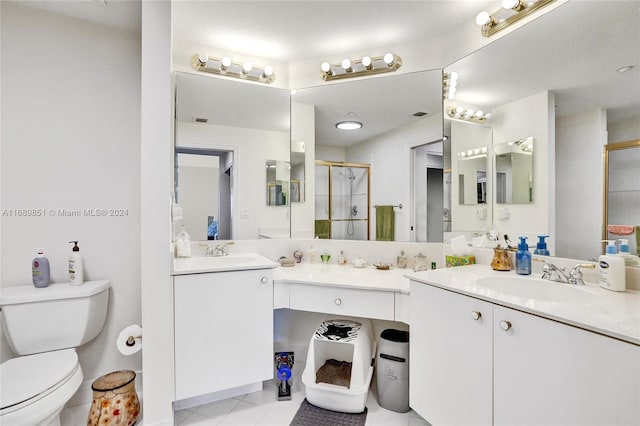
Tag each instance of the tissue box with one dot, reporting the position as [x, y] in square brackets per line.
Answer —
[452, 260]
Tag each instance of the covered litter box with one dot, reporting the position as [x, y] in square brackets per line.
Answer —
[340, 365]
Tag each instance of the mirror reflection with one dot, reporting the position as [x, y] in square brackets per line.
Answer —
[400, 116]
[472, 176]
[278, 189]
[514, 172]
[245, 125]
[571, 102]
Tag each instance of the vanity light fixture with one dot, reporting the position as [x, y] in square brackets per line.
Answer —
[472, 153]
[467, 114]
[449, 85]
[511, 12]
[357, 68]
[225, 66]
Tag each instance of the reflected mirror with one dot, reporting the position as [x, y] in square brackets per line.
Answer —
[514, 172]
[572, 99]
[472, 176]
[278, 190]
[244, 125]
[399, 114]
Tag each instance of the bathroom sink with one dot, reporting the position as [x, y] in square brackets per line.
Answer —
[221, 263]
[539, 289]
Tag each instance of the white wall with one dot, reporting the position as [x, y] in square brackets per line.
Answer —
[254, 147]
[622, 131]
[531, 116]
[71, 140]
[579, 182]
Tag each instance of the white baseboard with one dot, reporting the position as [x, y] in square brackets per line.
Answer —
[216, 396]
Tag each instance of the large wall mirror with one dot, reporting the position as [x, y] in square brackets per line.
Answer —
[514, 172]
[571, 98]
[240, 131]
[375, 165]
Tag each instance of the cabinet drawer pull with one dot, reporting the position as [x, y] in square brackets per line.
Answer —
[505, 325]
[264, 280]
[476, 315]
[338, 301]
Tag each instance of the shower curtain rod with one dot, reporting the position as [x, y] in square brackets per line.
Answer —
[398, 206]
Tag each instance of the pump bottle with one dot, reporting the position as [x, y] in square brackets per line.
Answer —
[629, 259]
[76, 269]
[523, 258]
[611, 268]
[541, 246]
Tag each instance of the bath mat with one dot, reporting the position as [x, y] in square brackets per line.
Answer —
[310, 415]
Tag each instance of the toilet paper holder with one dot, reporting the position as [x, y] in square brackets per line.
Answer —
[131, 340]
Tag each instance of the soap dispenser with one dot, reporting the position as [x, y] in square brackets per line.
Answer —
[625, 253]
[76, 270]
[183, 243]
[541, 246]
[402, 260]
[611, 268]
[523, 258]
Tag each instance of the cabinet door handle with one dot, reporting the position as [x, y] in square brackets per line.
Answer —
[476, 315]
[338, 301]
[264, 280]
[505, 325]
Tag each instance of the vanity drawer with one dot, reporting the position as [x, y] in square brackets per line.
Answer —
[343, 301]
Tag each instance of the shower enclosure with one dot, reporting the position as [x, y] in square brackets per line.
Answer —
[342, 200]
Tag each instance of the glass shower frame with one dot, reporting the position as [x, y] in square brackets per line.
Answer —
[326, 198]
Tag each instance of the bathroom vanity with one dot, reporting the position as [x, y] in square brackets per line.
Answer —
[520, 359]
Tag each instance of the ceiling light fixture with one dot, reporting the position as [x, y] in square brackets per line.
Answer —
[360, 67]
[225, 66]
[349, 125]
[625, 69]
[511, 12]
[467, 114]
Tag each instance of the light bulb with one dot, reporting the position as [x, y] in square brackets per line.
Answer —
[451, 96]
[268, 71]
[453, 76]
[247, 67]
[459, 110]
[516, 5]
[483, 18]
[325, 67]
[388, 59]
[469, 113]
[479, 114]
[487, 115]
[346, 64]
[366, 61]
[203, 58]
[225, 62]
[453, 84]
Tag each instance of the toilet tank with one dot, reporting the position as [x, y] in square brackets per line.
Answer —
[56, 317]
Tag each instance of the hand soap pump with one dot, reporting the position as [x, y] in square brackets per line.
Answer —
[625, 253]
[541, 247]
[76, 270]
[523, 258]
[611, 268]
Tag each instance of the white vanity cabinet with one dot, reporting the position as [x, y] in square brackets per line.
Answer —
[512, 368]
[223, 331]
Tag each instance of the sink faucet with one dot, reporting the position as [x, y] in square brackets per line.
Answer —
[552, 273]
[575, 276]
[217, 251]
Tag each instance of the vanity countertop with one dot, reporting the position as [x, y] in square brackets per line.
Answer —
[615, 314]
[232, 262]
[367, 278]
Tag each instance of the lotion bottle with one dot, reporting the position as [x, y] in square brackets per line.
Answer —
[76, 269]
[625, 253]
[523, 258]
[40, 270]
[611, 268]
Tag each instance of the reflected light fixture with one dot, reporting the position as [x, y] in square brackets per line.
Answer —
[365, 66]
[225, 66]
[467, 114]
[349, 125]
[449, 85]
[511, 12]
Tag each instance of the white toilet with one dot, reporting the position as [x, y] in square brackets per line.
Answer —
[44, 326]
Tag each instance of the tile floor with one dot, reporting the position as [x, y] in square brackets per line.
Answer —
[258, 408]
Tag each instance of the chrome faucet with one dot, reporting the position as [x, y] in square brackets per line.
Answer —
[575, 276]
[217, 251]
[552, 273]
[209, 250]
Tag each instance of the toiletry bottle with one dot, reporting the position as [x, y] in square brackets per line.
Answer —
[312, 254]
[341, 259]
[625, 253]
[611, 268]
[420, 262]
[183, 243]
[402, 260]
[523, 258]
[76, 270]
[541, 246]
[40, 270]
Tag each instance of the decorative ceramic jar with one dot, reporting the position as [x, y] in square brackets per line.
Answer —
[115, 401]
[500, 261]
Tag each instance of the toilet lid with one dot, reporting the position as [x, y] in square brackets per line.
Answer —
[25, 377]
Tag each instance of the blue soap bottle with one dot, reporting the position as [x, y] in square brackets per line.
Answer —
[523, 258]
[541, 247]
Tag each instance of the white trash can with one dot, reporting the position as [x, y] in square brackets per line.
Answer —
[392, 370]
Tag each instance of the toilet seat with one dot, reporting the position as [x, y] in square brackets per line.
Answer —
[27, 379]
